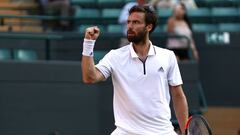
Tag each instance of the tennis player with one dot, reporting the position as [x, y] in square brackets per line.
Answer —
[143, 76]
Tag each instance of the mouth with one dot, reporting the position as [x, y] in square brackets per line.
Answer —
[130, 33]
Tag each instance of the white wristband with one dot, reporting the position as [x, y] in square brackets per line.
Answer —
[88, 46]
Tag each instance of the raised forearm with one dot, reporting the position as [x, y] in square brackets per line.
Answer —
[89, 71]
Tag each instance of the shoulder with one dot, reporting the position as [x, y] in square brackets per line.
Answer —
[120, 51]
[162, 50]
[164, 53]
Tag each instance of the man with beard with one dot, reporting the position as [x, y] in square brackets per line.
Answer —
[122, 19]
[143, 76]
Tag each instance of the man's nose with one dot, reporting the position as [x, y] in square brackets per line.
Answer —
[129, 26]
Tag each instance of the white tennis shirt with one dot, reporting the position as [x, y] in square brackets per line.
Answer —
[141, 89]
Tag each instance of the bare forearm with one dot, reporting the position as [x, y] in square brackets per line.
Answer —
[88, 69]
[180, 106]
[181, 111]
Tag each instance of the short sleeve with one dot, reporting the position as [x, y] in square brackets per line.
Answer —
[174, 75]
[104, 65]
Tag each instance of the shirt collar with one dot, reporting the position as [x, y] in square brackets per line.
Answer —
[151, 51]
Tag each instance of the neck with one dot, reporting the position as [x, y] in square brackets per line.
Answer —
[142, 49]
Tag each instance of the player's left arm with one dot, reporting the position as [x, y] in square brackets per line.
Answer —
[180, 105]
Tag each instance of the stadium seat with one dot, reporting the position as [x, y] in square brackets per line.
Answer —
[229, 27]
[163, 15]
[5, 54]
[199, 15]
[87, 16]
[164, 12]
[218, 3]
[204, 27]
[111, 13]
[110, 3]
[115, 28]
[126, 1]
[239, 11]
[224, 14]
[159, 29]
[25, 55]
[82, 1]
[87, 13]
[98, 55]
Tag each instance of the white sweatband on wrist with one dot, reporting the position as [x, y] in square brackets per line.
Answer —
[88, 46]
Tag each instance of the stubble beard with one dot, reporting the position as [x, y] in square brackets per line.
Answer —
[137, 38]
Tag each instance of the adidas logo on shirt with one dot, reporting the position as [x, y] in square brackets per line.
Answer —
[161, 69]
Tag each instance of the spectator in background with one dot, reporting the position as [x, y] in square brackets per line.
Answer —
[163, 3]
[178, 24]
[190, 4]
[124, 16]
[60, 8]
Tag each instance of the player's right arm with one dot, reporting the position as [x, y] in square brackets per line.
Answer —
[90, 74]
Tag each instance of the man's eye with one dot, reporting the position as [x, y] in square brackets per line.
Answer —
[135, 22]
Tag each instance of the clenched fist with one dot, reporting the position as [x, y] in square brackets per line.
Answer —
[92, 33]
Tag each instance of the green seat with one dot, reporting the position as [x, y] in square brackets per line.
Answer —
[98, 55]
[80, 2]
[87, 13]
[25, 55]
[126, 1]
[224, 14]
[164, 12]
[110, 3]
[5, 54]
[229, 27]
[199, 12]
[199, 15]
[111, 13]
[160, 29]
[218, 3]
[115, 28]
[205, 27]
[163, 15]
[237, 3]
[239, 11]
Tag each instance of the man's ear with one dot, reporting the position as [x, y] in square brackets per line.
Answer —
[149, 27]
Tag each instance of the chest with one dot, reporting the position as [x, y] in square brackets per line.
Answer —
[149, 70]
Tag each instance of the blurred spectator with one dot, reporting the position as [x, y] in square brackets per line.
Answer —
[178, 24]
[171, 3]
[190, 4]
[163, 3]
[60, 8]
[124, 16]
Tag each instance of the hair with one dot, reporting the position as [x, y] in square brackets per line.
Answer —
[185, 17]
[150, 15]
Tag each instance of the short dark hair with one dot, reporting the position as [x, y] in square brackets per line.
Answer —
[150, 14]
